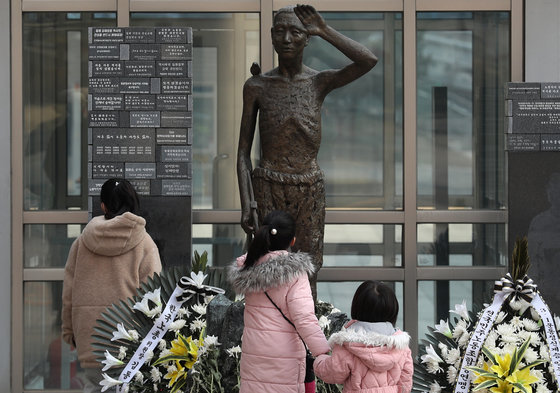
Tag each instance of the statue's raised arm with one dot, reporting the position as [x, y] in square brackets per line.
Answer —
[362, 58]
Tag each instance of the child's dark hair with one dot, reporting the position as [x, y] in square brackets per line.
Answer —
[119, 196]
[374, 302]
[276, 233]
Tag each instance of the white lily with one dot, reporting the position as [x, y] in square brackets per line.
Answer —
[461, 310]
[234, 351]
[431, 356]
[197, 279]
[154, 296]
[109, 382]
[144, 307]
[131, 335]
[443, 328]
[110, 361]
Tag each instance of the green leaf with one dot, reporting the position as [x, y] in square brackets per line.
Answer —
[178, 385]
[517, 357]
[486, 385]
[533, 364]
[169, 358]
[482, 372]
[489, 355]
[520, 261]
[520, 386]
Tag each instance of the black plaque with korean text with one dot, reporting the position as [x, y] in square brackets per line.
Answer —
[104, 85]
[140, 126]
[105, 102]
[172, 69]
[140, 170]
[533, 147]
[176, 119]
[139, 102]
[174, 170]
[172, 136]
[139, 35]
[139, 69]
[172, 102]
[104, 52]
[99, 68]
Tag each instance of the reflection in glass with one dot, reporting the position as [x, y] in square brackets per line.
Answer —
[55, 108]
[462, 67]
[361, 148]
[363, 245]
[48, 245]
[462, 245]
[48, 362]
[340, 295]
[435, 301]
[223, 242]
[225, 46]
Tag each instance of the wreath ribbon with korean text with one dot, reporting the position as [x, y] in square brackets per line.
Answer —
[507, 290]
[186, 288]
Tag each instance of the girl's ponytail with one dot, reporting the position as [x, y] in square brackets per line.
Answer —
[276, 233]
[259, 246]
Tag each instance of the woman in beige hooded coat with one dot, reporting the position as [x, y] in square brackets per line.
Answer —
[106, 263]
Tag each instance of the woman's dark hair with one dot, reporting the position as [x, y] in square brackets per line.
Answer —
[119, 196]
[276, 233]
[374, 302]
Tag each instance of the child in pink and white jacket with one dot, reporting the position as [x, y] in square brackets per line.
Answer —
[272, 353]
[369, 355]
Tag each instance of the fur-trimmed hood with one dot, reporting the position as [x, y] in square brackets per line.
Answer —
[272, 270]
[374, 334]
[370, 343]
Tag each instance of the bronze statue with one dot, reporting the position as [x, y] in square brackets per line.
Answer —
[288, 102]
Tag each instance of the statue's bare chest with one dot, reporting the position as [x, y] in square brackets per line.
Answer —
[299, 100]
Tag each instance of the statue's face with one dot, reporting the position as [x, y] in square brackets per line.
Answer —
[289, 36]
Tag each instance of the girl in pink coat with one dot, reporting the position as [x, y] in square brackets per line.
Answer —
[273, 355]
[369, 355]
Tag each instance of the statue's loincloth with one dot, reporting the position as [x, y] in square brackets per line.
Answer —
[301, 195]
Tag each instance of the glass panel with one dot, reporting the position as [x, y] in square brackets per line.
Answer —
[462, 65]
[361, 148]
[223, 242]
[340, 294]
[363, 245]
[48, 245]
[55, 108]
[436, 298]
[48, 362]
[225, 46]
[462, 245]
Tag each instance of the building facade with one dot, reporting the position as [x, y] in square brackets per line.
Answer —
[412, 200]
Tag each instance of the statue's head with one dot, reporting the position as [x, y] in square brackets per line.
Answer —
[289, 35]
